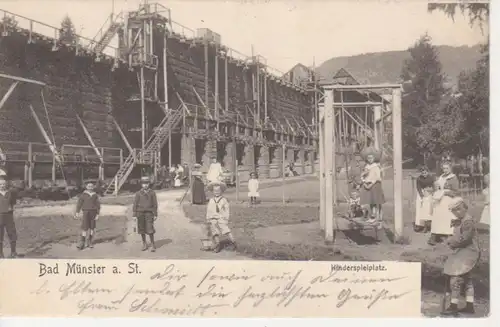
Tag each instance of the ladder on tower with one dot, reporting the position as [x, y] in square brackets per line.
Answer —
[115, 24]
[148, 155]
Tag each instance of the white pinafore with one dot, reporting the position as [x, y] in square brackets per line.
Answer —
[442, 216]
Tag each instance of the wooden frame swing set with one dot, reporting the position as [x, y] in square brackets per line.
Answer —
[329, 112]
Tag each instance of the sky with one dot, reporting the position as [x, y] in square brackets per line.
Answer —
[284, 32]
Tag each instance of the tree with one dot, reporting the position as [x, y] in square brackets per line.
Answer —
[473, 86]
[478, 13]
[67, 33]
[9, 21]
[423, 71]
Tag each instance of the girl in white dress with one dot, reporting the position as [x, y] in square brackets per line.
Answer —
[448, 187]
[253, 188]
[485, 215]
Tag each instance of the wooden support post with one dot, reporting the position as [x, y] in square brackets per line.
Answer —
[257, 86]
[226, 85]
[329, 142]
[26, 172]
[89, 138]
[265, 97]
[165, 70]
[101, 172]
[143, 110]
[53, 168]
[216, 88]
[283, 152]
[170, 148]
[31, 165]
[206, 72]
[8, 93]
[397, 141]
[124, 138]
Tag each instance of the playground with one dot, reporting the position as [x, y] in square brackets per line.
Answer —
[269, 231]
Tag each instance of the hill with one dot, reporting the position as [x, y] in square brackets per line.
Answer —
[385, 67]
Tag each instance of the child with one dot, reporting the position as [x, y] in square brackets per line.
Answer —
[372, 190]
[253, 188]
[145, 212]
[218, 216]
[89, 204]
[423, 210]
[7, 202]
[464, 258]
[485, 215]
[355, 209]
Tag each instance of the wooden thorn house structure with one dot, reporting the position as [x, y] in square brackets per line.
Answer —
[168, 95]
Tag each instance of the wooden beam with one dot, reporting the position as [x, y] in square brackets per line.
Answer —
[124, 138]
[397, 141]
[322, 176]
[207, 110]
[330, 86]
[357, 104]
[89, 138]
[46, 136]
[329, 144]
[21, 79]
[7, 95]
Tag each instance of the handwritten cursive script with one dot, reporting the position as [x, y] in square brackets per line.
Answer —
[225, 289]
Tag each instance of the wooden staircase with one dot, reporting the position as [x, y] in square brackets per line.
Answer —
[107, 35]
[148, 155]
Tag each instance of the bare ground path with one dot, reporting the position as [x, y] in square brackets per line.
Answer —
[176, 238]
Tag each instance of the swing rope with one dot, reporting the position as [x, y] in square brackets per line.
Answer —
[59, 163]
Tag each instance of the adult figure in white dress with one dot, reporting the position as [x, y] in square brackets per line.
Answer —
[447, 188]
[485, 215]
[214, 171]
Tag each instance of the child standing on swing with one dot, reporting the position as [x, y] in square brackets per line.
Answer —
[372, 192]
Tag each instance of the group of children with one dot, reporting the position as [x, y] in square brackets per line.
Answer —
[434, 195]
[145, 212]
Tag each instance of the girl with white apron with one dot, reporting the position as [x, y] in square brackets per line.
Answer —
[423, 210]
[442, 216]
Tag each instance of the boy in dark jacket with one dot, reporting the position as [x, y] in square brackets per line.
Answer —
[7, 202]
[145, 211]
[90, 206]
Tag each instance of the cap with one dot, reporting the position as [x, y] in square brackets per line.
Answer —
[455, 203]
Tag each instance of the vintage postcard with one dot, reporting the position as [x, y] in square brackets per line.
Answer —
[244, 159]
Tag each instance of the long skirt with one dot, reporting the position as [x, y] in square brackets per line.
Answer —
[375, 195]
[423, 210]
[442, 217]
[199, 196]
[485, 215]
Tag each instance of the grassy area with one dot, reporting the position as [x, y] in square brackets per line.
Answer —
[303, 208]
[35, 233]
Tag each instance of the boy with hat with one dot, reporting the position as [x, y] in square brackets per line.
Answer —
[90, 206]
[464, 258]
[7, 202]
[145, 212]
[218, 216]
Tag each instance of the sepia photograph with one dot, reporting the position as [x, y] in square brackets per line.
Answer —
[287, 131]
